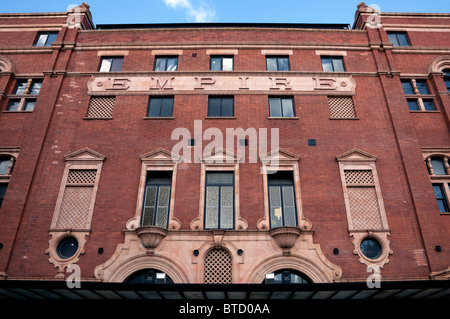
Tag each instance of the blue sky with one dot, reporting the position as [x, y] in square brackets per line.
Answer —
[267, 11]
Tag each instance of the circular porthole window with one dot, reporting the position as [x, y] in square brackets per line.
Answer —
[67, 247]
[371, 248]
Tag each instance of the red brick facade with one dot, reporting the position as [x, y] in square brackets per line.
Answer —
[395, 139]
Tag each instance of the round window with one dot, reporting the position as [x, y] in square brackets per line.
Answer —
[67, 247]
[371, 248]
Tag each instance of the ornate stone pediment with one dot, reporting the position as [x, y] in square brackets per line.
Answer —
[356, 155]
[160, 155]
[279, 155]
[85, 154]
[220, 156]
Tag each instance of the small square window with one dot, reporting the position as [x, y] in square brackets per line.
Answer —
[399, 39]
[221, 106]
[243, 142]
[221, 63]
[166, 63]
[111, 64]
[311, 142]
[281, 107]
[277, 63]
[333, 64]
[160, 107]
[45, 39]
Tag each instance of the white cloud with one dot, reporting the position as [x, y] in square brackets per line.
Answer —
[198, 11]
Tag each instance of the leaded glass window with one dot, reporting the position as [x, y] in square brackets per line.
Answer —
[282, 199]
[219, 200]
[157, 199]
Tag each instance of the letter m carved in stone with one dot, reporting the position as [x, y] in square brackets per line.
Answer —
[162, 83]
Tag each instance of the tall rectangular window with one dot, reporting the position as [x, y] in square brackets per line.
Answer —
[281, 107]
[221, 63]
[45, 39]
[24, 96]
[219, 200]
[111, 64]
[399, 39]
[3, 187]
[439, 173]
[282, 199]
[166, 63]
[333, 64]
[160, 107]
[221, 106]
[277, 63]
[447, 79]
[157, 199]
[441, 198]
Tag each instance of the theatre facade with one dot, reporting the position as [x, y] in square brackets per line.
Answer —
[225, 153]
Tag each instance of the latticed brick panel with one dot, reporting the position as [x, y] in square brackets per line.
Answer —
[364, 208]
[341, 107]
[74, 211]
[361, 177]
[101, 107]
[218, 267]
[86, 176]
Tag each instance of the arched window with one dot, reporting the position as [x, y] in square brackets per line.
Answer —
[286, 276]
[437, 165]
[6, 165]
[148, 276]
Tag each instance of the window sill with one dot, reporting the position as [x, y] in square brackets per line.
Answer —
[97, 118]
[6, 111]
[425, 111]
[220, 118]
[158, 118]
[283, 118]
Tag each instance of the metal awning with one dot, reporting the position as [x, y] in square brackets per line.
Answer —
[426, 289]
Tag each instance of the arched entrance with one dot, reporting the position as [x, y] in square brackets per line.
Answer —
[148, 276]
[287, 276]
